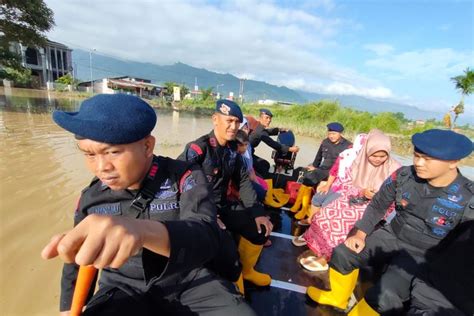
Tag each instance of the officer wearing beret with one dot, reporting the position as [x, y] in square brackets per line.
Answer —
[262, 132]
[217, 154]
[432, 198]
[148, 222]
[326, 156]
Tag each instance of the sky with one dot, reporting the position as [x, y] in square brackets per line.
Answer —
[394, 50]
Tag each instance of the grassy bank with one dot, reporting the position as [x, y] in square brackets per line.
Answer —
[307, 120]
[311, 119]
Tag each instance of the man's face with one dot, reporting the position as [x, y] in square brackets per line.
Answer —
[334, 137]
[118, 166]
[265, 120]
[225, 127]
[430, 168]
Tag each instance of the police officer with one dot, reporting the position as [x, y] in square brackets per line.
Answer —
[446, 285]
[318, 171]
[217, 154]
[262, 132]
[326, 156]
[148, 222]
[431, 198]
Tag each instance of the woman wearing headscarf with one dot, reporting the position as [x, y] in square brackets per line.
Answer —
[356, 183]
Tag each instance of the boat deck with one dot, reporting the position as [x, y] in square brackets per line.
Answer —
[287, 293]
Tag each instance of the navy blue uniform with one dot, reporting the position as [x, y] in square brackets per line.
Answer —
[325, 158]
[259, 134]
[221, 165]
[149, 283]
[424, 217]
[445, 287]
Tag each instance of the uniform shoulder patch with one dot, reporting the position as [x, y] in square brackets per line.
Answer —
[196, 148]
[187, 182]
[194, 151]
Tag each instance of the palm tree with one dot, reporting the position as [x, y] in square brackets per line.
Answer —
[464, 83]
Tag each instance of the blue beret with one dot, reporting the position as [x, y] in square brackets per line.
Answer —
[267, 112]
[335, 127]
[442, 144]
[109, 118]
[230, 108]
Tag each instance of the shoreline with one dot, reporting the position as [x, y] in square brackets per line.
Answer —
[401, 144]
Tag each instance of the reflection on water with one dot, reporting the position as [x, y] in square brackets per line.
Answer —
[37, 104]
[42, 174]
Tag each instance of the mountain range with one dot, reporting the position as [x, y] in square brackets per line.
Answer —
[109, 66]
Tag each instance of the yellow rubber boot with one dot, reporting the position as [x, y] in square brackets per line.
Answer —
[280, 196]
[295, 208]
[249, 254]
[341, 289]
[305, 203]
[275, 197]
[269, 195]
[362, 309]
[240, 284]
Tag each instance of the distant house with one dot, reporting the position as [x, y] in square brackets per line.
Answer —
[420, 123]
[194, 94]
[267, 102]
[47, 63]
[131, 85]
[273, 102]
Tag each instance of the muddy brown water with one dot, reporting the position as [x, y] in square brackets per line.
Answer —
[42, 173]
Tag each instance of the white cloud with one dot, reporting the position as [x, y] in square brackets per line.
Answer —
[341, 88]
[379, 49]
[426, 64]
[260, 40]
[345, 88]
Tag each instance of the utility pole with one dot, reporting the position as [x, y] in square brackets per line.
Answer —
[217, 89]
[90, 67]
[241, 90]
[74, 72]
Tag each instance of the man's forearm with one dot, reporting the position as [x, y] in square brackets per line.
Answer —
[156, 237]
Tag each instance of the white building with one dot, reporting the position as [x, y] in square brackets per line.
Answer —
[47, 63]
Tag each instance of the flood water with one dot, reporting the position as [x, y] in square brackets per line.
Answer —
[42, 174]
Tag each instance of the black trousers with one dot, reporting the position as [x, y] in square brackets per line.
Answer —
[206, 295]
[428, 301]
[261, 167]
[312, 178]
[238, 220]
[403, 261]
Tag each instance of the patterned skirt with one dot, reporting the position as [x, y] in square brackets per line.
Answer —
[330, 226]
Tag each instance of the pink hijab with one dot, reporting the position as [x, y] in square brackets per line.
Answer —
[364, 174]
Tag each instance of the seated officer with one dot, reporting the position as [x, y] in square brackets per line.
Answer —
[431, 197]
[217, 154]
[148, 222]
[445, 287]
[326, 156]
[262, 132]
[318, 171]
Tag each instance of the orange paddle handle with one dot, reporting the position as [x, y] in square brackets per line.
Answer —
[83, 284]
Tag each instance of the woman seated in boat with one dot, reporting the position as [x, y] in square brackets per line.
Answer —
[361, 170]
